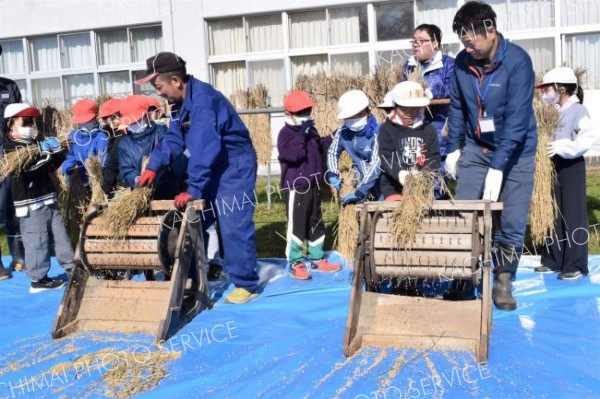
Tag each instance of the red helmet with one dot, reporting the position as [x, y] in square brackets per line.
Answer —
[297, 101]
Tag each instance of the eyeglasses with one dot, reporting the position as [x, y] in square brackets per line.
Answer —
[419, 42]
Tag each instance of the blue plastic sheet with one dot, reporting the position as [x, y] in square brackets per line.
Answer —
[288, 344]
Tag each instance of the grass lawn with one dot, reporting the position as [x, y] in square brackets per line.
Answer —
[271, 222]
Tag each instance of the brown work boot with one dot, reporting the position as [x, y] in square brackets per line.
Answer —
[502, 292]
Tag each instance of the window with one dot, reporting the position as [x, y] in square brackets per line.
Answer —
[47, 91]
[308, 65]
[115, 83]
[226, 37]
[229, 77]
[113, 47]
[265, 33]
[348, 25]
[269, 73]
[580, 12]
[77, 87]
[12, 60]
[501, 9]
[308, 29]
[541, 52]
[437, 12]
[350, 64]
[145, 42]
[22, 83]
[530, 14]
[583, 51]
[394, 21]
[145, 89]
[76, 50]
[388, 57]
[45, 55]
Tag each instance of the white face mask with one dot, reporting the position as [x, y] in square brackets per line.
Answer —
[551, 97]
[296, 120]
[25, 132]
[136, 128]
[357, 124]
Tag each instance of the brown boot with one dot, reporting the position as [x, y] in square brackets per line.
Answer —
[502, 292]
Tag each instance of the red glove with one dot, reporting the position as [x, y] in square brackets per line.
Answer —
[146, 178]
[181, 200]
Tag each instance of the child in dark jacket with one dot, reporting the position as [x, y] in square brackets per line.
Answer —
[407, 144]
[142, 136]
[110, 123]
[35, 200]
[301, 159]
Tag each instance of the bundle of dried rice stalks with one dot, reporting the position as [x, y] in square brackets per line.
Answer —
[124, 209]
[418, 197]
[543, 209]
[93, 167]
[347, 227]
[259, 125]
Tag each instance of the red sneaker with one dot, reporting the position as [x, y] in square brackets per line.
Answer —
[325, 266]
[299, 272]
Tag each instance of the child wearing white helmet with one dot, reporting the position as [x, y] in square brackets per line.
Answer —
[358, 137]
[567, 250]
[34, 197]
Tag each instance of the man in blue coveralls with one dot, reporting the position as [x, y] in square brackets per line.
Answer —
[222, 164]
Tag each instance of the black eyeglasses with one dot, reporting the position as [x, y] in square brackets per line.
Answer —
[419, 41]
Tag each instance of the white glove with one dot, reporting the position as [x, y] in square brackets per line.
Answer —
[451, 161]
[403, 173]
[493, 184]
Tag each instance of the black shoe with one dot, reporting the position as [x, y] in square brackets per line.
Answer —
[570, 275]
[215, 272]
[45, 284]
[544, 269]
[5, 274]
[460, 290]
[502, 292]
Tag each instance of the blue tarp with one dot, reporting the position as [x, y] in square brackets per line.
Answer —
[288, 344]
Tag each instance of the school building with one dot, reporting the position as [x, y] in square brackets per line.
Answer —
[63, 50]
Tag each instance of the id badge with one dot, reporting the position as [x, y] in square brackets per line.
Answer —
[486, 125]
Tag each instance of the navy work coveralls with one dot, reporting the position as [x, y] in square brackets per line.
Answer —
[221, 171]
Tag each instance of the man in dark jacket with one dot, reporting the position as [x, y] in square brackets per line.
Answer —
[493, 134]
[221, 168]
[9, 94]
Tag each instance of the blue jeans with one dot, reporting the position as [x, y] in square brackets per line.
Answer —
[515, 194]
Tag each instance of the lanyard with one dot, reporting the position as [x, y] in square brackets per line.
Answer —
[487, 86]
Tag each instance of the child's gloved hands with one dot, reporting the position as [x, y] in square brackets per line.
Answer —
[335, 182]
[146, 178]
[352, 198]
[50, 146]
[182, 199]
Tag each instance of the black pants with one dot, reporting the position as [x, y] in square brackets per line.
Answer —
[305, 223]
[567, 249]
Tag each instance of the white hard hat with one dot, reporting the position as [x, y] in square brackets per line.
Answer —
[558, 75]
[410, 94]
[351, 103]
[387, 101]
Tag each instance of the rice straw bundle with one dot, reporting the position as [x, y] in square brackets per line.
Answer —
[259, 125]
[93, 167]
[347, 227]
[124, 209]
[543, 209]
[417, 202]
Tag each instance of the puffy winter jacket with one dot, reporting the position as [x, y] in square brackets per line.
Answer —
[83, 144]
[362, 147]
[507, 89]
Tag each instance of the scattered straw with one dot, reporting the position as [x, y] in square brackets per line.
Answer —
[543, 209]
